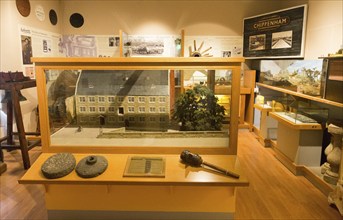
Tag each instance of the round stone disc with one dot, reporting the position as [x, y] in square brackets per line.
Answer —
[91, 166]
[58, 165]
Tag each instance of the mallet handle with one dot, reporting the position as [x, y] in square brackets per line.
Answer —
[226, 172]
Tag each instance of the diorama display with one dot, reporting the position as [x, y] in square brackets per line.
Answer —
[303, 76]
[140, 102]
[108, 105]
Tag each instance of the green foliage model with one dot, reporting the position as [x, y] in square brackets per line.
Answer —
[197, 110]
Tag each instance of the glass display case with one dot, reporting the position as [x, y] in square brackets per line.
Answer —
[135, 104]
[303, 76]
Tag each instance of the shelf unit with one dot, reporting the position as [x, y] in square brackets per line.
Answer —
[300, 134]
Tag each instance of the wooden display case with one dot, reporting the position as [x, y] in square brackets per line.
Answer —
[183, 193]
[299, 145]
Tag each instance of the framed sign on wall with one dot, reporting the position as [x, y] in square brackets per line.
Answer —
[278, 34]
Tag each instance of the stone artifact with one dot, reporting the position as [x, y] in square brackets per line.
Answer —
[91, 166]
[58, 165]
[195, 160]
[334, 156]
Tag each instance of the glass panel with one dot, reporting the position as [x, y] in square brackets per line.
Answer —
[139, 107]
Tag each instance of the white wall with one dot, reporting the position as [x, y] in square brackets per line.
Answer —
[324, 28]
[163, 17]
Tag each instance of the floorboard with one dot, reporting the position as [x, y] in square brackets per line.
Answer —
[274, 192]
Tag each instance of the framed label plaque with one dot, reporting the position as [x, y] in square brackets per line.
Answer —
[278, 34]
[138, 166]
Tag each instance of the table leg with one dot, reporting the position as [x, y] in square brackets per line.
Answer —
[21, 130]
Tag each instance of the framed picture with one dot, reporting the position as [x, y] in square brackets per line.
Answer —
[278, 34]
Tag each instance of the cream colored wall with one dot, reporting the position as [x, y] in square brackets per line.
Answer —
[214, 18]
[324, 28]
[10, 52]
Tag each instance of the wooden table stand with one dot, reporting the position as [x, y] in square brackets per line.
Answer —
[13, 106]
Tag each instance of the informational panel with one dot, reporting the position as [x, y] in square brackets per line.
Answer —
[216, 46]
[277, 34]
[37, 43]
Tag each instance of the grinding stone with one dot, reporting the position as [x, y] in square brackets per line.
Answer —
[91, 166]
[58, 165]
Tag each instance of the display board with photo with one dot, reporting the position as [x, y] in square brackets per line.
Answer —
[278, 34]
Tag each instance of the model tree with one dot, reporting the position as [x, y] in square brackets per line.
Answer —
[197, 110]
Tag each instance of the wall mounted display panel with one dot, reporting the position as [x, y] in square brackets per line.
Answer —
[275, 35]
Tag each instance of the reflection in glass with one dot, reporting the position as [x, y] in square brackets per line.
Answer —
[139, 107]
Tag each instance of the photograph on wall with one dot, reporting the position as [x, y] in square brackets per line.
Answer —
[282, 40]
[257, 42]
[226, 53]
[146, 46]
[29, 71]
[278, 34]
[26, 48]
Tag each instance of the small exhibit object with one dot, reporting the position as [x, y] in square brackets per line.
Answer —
[195, 160]
[58, 165]
[91, 166]
[145, 166]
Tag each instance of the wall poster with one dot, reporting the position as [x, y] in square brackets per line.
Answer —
[37, 43]
[278, 34]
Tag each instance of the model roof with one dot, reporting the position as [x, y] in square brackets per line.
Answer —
[123, 82]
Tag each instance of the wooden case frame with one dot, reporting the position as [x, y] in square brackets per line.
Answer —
[141, 63]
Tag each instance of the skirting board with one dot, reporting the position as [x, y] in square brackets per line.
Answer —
[300, 170]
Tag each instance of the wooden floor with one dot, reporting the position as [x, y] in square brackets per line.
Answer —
[274, 192]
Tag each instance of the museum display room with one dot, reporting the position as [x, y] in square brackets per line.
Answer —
[171, 109]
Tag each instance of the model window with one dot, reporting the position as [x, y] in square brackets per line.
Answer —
[101, 99]
[152, 99]
[131, 109]
[102, 109]
[83, 119]
[93, 119]
[111, 109]
[152, 119]
[111, 119]
[121, 119]
[121, 110]
[162, 109]
[111, 99]
[82, 109]
[82, 99]
[162, 99]
[91, 99]
[141, 109]
[162, 119]
[152, 109]
[131, 99]
[91, 109]
[141, 99]
[131, 119]
[142, 119]
[120, 99]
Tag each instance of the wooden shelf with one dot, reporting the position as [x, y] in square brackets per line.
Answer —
[177, 174]
[313, 98]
